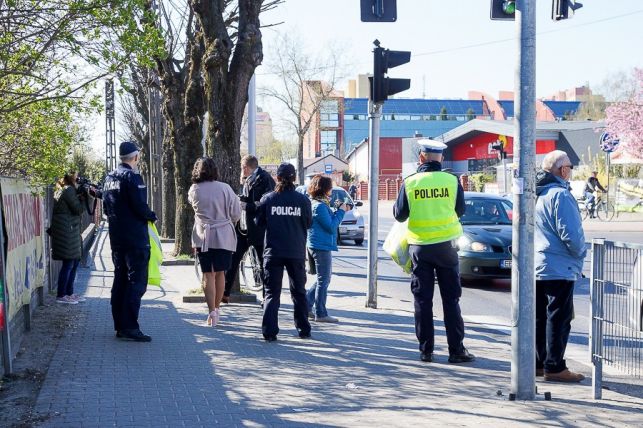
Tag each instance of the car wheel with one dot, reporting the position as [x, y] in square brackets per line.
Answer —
[359, 241]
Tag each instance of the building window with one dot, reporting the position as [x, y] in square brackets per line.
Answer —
[328, 142]
[329, 114]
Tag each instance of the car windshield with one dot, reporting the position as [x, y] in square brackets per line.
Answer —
[340, 195]
[486, 211]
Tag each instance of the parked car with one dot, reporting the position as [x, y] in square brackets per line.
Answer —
[484, 250]
[352, 226]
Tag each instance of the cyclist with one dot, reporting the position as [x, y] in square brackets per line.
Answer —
[591, 186]
[256, 183]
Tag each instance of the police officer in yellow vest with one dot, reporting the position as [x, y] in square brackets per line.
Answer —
[432, 201]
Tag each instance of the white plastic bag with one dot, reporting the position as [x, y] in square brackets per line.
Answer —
[397, 246]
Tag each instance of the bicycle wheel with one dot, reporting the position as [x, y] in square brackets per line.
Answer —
[583, 212]
[605, 211]
[250, 268]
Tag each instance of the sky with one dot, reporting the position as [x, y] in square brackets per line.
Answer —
[455, 47]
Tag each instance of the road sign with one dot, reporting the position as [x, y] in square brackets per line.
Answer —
[328, 168]
[608, 143]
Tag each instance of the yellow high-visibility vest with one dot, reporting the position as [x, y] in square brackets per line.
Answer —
[432, 217]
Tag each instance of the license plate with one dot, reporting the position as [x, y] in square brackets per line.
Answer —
[342, 230]
[505, 264]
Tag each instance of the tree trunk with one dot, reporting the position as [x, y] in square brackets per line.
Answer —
[227, 76]
[300, 159]
[169, 189]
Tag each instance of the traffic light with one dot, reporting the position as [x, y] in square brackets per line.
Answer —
[504, 10]
[382, 86]
[378, 10]
[564, 9]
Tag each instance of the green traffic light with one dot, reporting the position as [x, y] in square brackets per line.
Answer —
[509, 7]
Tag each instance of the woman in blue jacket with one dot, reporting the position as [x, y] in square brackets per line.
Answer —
[321, 241]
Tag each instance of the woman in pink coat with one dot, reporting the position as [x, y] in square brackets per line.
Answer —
[216, 210]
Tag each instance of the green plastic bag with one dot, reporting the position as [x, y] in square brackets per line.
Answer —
[397, 246]
[156, 256]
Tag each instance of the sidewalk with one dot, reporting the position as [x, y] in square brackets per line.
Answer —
[362, 372]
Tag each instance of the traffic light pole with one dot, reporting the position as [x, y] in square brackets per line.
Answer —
[374, 115]
[523, 285]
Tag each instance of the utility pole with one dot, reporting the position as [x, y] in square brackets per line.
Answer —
[523, 283]
[374, 116]
[110, 127]
[252, 116]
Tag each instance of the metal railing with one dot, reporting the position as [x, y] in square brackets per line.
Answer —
[616, 323]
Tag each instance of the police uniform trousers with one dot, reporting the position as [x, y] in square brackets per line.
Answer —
[273, 274]
[243, 243]
[429, 261]
[130, 283]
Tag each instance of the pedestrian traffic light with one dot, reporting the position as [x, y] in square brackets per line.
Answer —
[504, 10]
[378, 10]
[564, 9]
[382, 86]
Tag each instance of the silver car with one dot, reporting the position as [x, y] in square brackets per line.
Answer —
[352, 226]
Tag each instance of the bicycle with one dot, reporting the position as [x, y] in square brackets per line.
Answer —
[251, 270]
[603, 209]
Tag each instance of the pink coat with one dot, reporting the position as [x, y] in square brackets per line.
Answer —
[216, 210]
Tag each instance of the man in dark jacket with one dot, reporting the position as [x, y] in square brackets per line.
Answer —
[592, 185]
[124, 202]
[257, 183]
[286, 216]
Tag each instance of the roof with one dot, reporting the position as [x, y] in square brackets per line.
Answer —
[416, 106]
[313, 161]
[544, 130]
[560, 109]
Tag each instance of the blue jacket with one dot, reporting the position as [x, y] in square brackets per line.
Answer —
[559, 240]
[323, 234]
[286, 216]
[125, 205]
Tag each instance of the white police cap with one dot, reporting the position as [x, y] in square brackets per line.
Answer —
[431, 146]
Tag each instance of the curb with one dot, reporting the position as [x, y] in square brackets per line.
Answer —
[234, 298]
[175, 262]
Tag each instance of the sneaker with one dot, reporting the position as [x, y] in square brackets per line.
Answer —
[66, 300]
[462, 357]
[426, 357]
[327, 318]
[134, 335]
[564, 376]
[79, 299]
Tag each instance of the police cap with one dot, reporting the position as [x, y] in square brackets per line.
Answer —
[127, 148]
[286, 170]
[431, 146]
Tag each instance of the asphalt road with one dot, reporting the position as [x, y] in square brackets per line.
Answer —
[487, 303]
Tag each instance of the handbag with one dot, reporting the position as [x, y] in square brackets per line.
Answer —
[396, 245]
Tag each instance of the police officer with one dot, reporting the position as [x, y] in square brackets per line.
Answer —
[124, 202]
[256, 183]
[286, 215]
[433, 201]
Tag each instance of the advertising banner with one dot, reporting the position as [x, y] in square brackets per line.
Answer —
[22, 213]
[629, 195]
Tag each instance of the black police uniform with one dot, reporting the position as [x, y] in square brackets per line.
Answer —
[287, 216]
[429, 260]
[254, 188]
[124, 202]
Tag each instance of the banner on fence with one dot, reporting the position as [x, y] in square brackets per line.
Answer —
[22, 213]
[629, 195]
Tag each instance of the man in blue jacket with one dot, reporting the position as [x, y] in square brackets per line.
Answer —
[559, 253]
[286, 215]
[125, 203]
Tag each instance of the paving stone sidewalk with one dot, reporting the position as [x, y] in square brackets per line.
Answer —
[361, 372]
